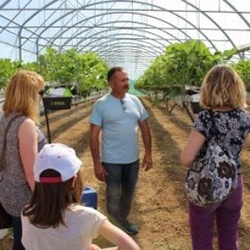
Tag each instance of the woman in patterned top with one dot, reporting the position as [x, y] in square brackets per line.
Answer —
[223, 92]
[23, 141]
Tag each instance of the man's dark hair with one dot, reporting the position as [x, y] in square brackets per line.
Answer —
[112, 71]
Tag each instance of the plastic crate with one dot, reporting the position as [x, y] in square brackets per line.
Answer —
[89, 197]
[57, 103]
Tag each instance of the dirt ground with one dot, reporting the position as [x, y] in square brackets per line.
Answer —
[160, 204]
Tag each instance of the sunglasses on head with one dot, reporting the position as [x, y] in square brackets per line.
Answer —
[41, 92]
[123, 105]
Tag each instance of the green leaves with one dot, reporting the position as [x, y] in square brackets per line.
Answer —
[182, 64]
[7, 69]
[68, 67]
[243, 69]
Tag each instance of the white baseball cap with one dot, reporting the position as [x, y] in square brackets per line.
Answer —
[58, 157]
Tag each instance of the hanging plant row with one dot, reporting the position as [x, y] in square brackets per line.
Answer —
[185, 64]
[182, 64]
[69, 67]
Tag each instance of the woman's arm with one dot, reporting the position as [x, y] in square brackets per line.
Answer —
[193, 146]
[116, 236]
[28, 138]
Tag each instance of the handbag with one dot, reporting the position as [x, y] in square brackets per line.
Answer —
[213, 175]
[5, 218]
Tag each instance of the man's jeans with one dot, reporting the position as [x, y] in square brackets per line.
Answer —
[120, 188]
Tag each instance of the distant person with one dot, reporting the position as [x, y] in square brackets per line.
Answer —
[118, 115]
[23, 141]
[54, 219]
[223, 92]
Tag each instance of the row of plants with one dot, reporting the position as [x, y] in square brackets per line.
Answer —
[87, 71]
[185, 64]
[182, 64]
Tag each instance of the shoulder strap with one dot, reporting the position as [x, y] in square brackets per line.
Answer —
[8, 127]
[215, 131]
[213, 128]
[4, 137]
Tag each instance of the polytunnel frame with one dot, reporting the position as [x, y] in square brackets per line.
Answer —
[135, 37]
[86, 7]
[133, 44]
[102, 14]
[135, 60]
[117, 51]
[125, 28]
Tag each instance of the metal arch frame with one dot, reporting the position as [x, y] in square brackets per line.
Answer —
[131, 12]
[131, 45]
[16, 14]
[216, 24]
[134, 37]
[203, 12]
[117, 55]
[119, 48]
[117, 52]
[120, 13]
[11, 32]
[3, 4]
[99, 46]
[143, 3]
[141, 64]
[159, 7]
[27, 20]
[37, 12]
[241, 56]
[122, 21]
[145, 44]
[119, 34]
[238, 13]
[125, 28]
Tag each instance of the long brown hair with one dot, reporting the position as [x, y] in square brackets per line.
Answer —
[21, 94]
[49, 200]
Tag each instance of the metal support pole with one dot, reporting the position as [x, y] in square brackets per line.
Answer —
[47, 123]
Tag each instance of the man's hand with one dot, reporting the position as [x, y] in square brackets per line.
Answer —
[147, 162]
[100, 172]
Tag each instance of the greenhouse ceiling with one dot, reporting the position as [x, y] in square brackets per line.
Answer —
[126, 33]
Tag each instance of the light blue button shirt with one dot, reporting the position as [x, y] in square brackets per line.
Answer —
[119, 123]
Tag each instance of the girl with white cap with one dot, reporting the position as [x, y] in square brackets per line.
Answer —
[54, 219]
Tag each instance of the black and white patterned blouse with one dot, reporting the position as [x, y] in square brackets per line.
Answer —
[232, 128]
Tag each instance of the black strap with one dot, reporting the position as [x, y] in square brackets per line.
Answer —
[4, 138]
[214, 130]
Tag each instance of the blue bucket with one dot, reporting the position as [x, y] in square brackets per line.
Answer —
[89, 197]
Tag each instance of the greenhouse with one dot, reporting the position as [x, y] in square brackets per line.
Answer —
[127, 33]
[148, 114]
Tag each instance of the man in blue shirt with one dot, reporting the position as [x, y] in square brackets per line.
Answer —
[117, 116]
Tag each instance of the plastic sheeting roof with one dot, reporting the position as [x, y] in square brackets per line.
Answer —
[126, 33]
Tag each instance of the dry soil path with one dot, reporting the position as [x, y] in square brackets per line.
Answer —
[160, 205]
